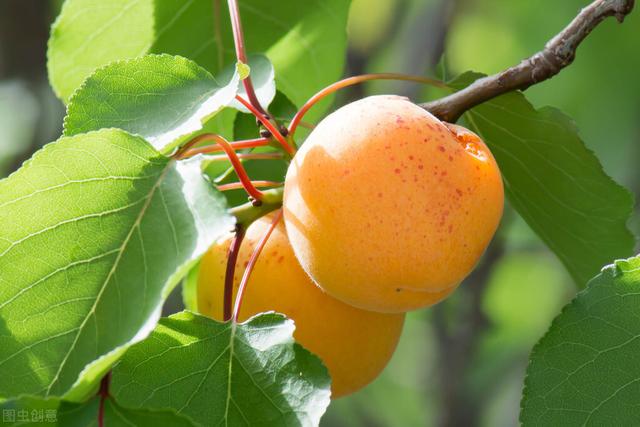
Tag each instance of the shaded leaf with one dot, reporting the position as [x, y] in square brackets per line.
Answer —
[31, 411]
[585, 370]
[239, 374]
[95, 230]
[86, 415]
[158, 97]
[554, 182]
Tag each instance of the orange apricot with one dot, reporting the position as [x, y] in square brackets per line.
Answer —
[354, 344]
[387, 208]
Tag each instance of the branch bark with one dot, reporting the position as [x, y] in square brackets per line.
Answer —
[559, 52]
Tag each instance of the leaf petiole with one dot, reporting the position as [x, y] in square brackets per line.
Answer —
[350, 81]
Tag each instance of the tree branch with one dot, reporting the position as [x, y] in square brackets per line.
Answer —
[559, 52]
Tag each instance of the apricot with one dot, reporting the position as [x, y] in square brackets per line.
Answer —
[355, 345]
[387, 208]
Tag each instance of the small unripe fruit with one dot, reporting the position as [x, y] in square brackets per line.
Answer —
[388, 208]
[354, 344]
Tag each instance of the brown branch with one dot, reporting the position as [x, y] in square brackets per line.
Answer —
[559, 52]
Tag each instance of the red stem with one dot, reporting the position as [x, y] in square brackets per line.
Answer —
[267, 124]
[238, 38]
[187, 151]
[234, 250]
[238, 185]
[233, 158]
[104, 395]
[248, 156]
[252, 262]
[350, 81]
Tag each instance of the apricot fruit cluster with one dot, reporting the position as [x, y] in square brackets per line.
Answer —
[387, 208]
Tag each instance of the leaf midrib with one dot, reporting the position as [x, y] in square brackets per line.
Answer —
[121, 251]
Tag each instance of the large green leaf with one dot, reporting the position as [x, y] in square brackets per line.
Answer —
[238, 374]
[306, 41]
[585, 371]
[158, 97]
[555, 183]
[95, 230]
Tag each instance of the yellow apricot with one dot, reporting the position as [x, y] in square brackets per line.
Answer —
[388, 208]
[354, 344]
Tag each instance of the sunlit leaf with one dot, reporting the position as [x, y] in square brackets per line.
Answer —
[158, 97]
[238, 374]
[95, 230]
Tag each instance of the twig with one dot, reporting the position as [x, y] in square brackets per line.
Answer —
[230, 272]
[239, 185]
[238, 38]
[559, 52]
[246, 156]
[247, 213]
[268, 125]
[103, 393]
[187, 151]
[252, 262]
[349, 81]
[252, 191]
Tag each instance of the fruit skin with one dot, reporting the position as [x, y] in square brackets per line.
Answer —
[388, 208]
[354, 344]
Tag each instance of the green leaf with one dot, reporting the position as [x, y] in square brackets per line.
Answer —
[585, 370]
[89, 34]
[238, 374]
[95, 230]
[86, 415]
[555, 183]
[30, 411]
[158, 97]
[34, 411]
[306, 41]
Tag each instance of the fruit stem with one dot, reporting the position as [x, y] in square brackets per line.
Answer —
[247, 156]
[251, 190]
[267, 124]
[238, 185]
[238, 39]
[232, 257]
[103, 392]
[252, 262]
[350, 81]
[214, 148]
[247, 213]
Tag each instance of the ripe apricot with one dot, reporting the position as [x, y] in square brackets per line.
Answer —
[354, 344]
[388, 208]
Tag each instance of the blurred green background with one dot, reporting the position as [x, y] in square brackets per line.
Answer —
[462, 362]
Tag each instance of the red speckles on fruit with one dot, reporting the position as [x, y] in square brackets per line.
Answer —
[423, 173]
